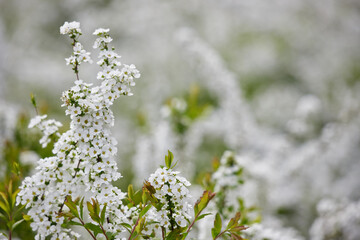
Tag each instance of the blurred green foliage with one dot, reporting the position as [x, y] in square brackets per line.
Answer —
[14, 171]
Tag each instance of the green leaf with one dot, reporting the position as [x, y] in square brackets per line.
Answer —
[214, 233]
[2, 216]
[5, 201]
[203, 201]
[174, 235]
[110, 235]
[17, 224]
[202, 216]
[238, 229]
[72, 206]
[234, 221]
[90, 208]
[33, 100]
[75, 223]
[145, 196]
[81, 205]
[94, 210]
[144, 211]
[102, 215]
[168, 159]
[127, 226]
[131, 192]
[95, 228]
[217, 226]
[5, 207]
[10, 188]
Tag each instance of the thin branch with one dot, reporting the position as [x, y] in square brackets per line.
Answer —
[92, 235]
[103, 231]
[163, 233]
[133, 230]
[76, 171]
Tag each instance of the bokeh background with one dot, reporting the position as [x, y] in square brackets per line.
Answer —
[276, 82]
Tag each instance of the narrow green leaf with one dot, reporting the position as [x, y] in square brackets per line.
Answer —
[90, 208]
[4, 207]
[110, 235]
[202, 216]
[95, 228]
[5, 201]
[96, 207]
[234, 221]
[174, 235]
[238, 229]
[75, 223]
[203, 201]
[218, 222]
[217, 226]
[127, 226]
[169, 159]
[10, 188]
[33, 100]
[81, 205]
[13, 197]
[131, 192]
[144, 211]
[214, 233]
[144, 197]
[72, 207]
[17, 224]
[102, 216]
[2, 216]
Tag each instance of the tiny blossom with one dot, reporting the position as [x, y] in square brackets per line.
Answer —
[83, 158]
[172, 192]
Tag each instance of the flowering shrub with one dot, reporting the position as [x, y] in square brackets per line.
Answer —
[73, 187]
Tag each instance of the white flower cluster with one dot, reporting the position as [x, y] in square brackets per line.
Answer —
[337, 220]
[49, 128]
[79, 55]
[173, 194]
[259, 232]
[227, 175]
[72, 28]
[83, 160]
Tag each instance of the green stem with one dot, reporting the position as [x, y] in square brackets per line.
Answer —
[133, 230]
[192, 224]
[10, 229]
